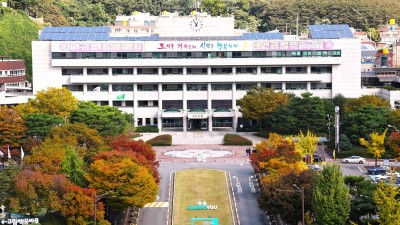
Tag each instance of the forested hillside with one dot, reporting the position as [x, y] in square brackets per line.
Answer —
[261, 15]
[17, 31]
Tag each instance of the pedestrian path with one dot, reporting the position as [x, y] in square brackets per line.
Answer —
[156, 205]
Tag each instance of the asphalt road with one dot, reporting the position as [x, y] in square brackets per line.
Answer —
[243, 185]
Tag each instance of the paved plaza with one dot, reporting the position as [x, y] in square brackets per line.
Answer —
[208, 145]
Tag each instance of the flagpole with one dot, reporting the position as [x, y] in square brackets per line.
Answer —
[22, 155]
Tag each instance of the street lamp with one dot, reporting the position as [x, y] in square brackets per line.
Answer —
[397, 130]
[299, 192]
[96, 199]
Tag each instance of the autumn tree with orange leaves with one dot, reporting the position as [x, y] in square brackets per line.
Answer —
[131, 184]
[34, 190]
[78, 206]
[276, 157]
[12, 127]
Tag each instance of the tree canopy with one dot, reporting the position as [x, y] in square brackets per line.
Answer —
[376, 144]
[107, 120]
[12, 127]
[259, 102]
[330, 197]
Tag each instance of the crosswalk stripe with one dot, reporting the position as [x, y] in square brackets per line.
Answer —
[156, 204]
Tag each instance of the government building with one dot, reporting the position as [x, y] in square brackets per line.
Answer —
[187, 72]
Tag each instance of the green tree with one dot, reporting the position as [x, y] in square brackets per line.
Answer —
[214, 7]
[53, 101]
[364, 121]
[387, 199]
[344, 143]
[39, 124]
[376, 145]
[73, 166]
[330, 197]
[282, 195]
[258, 103]
[300, 114]
[361, 192]
[12, 127]
[7, 175]
[394, 118]
[107, 120]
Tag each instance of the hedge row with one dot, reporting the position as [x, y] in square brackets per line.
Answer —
[234, 139]
[161, 140]
[147, 129]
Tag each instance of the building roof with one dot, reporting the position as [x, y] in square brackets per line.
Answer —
[103, 34]
[12, 64]
[330, 31]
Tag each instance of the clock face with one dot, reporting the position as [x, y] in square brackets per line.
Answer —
[196, 24]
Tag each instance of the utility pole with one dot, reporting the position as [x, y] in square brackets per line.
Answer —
[337, 128]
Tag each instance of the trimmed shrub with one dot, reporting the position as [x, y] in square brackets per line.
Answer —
[147, 129]
[161, 140]
[234, 139]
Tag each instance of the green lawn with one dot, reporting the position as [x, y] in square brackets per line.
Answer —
[192, 186]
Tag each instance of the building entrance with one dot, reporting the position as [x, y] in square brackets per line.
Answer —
[197, 124]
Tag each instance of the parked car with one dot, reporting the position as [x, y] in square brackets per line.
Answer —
[354, 159]
[376, 171]
[317, 159]
[394, 174]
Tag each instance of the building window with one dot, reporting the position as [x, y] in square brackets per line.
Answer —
[306, 54]
[148, 121]
[139, 121]
[322, 53]
[155, 121]
[337, 53]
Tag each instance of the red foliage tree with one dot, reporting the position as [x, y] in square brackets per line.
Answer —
[125, 143]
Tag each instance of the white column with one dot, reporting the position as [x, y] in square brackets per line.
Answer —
[209, 107]
[308, 69]
[159, 71]
[110, 71]
[208, 70]
[185, 112]
[258, 70]
[234, 70]
[160, 107]
[84, 89]
[283, 86]
[135, 104]
[84, 71]
[283, 69]
[308, 86]
[134, 70]
[234, 107]
[184, 70]
[109, 95]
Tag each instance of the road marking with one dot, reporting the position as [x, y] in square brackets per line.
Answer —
[251, 184]
[239, 187]
[156, 204]
[362, 169]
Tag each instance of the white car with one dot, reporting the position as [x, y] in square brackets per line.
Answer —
[354, 159]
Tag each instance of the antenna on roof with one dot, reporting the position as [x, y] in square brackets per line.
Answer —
[297, 24]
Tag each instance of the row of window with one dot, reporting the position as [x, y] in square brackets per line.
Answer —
[198, 71]
[180, 55]
[12, 73]
[197, 87]
[178, 122]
